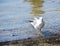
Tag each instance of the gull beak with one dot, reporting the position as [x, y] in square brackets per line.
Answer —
[30, 20]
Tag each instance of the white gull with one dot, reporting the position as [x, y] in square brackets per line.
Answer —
[37, 23]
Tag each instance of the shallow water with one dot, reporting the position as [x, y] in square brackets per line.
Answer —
[14, 16]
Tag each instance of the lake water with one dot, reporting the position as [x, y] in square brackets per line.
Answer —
[15, 13]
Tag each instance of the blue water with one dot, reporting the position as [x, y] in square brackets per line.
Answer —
[15, 13]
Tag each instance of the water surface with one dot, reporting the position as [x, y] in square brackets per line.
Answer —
[15, 13]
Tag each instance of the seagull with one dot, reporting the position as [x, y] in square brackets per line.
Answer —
[37, 23]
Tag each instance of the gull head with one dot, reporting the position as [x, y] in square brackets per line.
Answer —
[33, 22]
